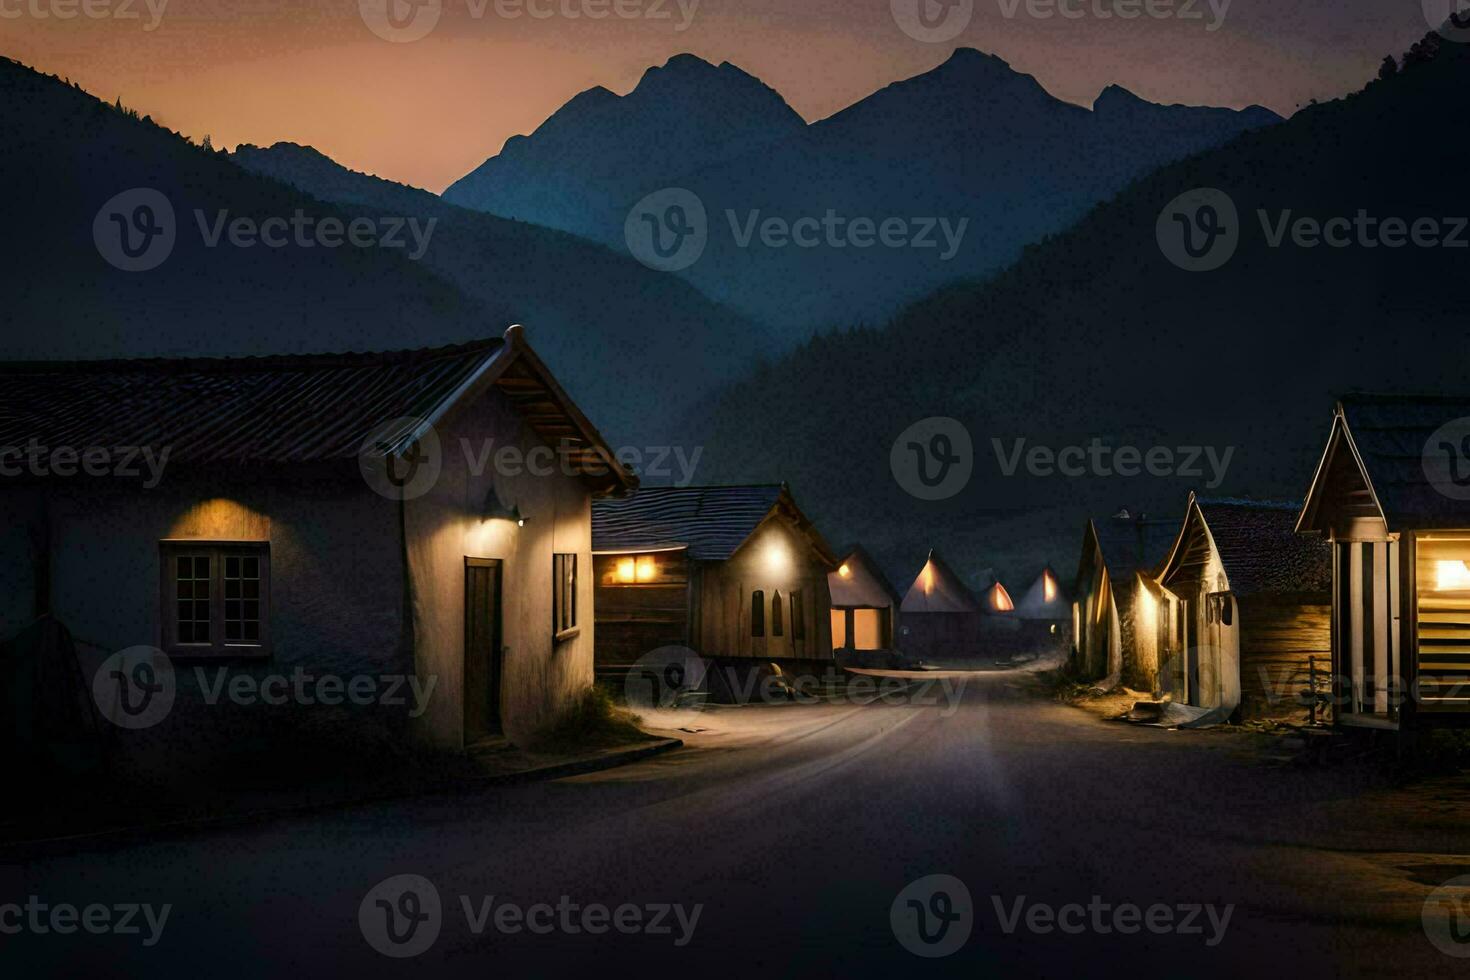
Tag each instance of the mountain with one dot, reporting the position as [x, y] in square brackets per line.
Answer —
[974, 158]
[576, 171]
[1095, 333]
[66, 154]
[634, 347]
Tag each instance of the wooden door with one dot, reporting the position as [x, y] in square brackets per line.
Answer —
[482, 650]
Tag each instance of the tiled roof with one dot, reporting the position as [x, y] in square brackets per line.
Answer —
[1393, 435]
[711, 521]
[271, 409]
[1261, 551]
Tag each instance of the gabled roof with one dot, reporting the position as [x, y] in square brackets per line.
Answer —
[711, 522]
[1035, 605]
[864, 584]
[1384, 443]
[997, 599]
[1132, 545]
[291, 409]
[1257, 545]
[938, 589]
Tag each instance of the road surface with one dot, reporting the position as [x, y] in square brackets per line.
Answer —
[790, 831]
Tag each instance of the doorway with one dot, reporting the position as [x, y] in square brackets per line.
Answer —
[482, 649]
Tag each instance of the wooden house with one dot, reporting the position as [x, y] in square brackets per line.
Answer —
[1392, 498]
[1242, 604]
[318, 514]
[1113, 633]
[728, 572]
[941, 616]
[865, 606]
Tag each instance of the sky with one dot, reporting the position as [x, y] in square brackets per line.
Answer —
[427, 110]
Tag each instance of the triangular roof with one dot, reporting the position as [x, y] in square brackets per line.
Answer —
[711, 522]
[938, 589]
[1257, 545]
[858, 581]
[1044, 599]
[997, 599]
[1124, 546]
[297, 408]
[1387, 460]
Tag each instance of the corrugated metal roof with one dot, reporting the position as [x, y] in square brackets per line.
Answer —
[270, 409]
[713, 522]
[1261, 551]
[1392, 433]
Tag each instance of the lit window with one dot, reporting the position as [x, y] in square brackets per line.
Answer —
[636, 568]
[839, 629]
[867, 629]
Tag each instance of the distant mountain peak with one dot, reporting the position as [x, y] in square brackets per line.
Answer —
[1117, 97]
[683, 71]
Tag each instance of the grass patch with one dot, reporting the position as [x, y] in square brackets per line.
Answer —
[595, 722]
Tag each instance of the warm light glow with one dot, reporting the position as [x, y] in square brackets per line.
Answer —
[626, 569]
[1048, 586]
[647, 568]
[844, 571]
[928, 578]
[1451, 576]
[1001, 599]
[777, 558]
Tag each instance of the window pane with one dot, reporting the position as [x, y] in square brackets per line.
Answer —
[866, 634]
[778, 617]
[839, 629]
[758, 613]
[241, 616]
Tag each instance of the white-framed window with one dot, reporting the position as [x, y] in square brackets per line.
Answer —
[215, 598]
[564, 596]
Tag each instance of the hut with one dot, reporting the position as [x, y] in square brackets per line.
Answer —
[1391, 496]
[1111, 637]
[865, 608]
[1243, 604]
[316, 516]
[728, 572]
[1045, 616]
[941, 616]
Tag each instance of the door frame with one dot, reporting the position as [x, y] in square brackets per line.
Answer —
[497, 653]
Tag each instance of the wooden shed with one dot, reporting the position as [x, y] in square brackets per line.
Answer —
[1392, 497]
[1247, 603]
[728, 572]
[865, 606]
[1114, 633]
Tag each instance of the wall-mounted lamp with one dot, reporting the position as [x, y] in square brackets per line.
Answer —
[495, 509]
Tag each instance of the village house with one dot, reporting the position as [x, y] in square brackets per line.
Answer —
[1114, 632]
[363, 517]
[736, 573]
[865, 607]
[1391, 496]
[1241, 609]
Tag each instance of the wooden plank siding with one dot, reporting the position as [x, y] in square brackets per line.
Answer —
[1276, 641]
[638, 617]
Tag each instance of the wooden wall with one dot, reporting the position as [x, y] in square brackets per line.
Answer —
[636, 618]
[1276, 640]
[775, 559]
